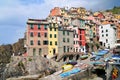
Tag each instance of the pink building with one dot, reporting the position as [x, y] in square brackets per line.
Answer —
[36, 37]
[78, 26]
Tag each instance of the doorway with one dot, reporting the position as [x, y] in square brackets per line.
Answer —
[54, 51]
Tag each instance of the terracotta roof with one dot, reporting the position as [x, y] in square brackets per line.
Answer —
[105, 22]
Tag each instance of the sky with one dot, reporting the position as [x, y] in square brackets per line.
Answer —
[15, 13]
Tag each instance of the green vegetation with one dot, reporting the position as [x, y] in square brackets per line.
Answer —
[29, 59]
[18, 47]
[5, 53]
[115, 10]
[7, 50]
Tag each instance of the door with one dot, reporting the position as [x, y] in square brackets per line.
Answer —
[54, 51]
[34, 51]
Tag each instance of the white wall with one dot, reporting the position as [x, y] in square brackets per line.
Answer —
[111, 35]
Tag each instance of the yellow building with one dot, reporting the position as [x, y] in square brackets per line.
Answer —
[117, 16]
[81, 11]
[53, 39]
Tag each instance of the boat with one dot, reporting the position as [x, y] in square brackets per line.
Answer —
[67, 67]
[84, 57]
[98, 63]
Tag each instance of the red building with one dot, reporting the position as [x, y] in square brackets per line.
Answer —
[36, 37]
[82, 38]
[78, 25]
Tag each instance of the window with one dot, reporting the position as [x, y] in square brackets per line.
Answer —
[45, 27]
[112, 24]
[50, 35]
[106, 34]
[63, 39]
[67, 32]
[76, 42]
[80, 37]
[94, 35]
[106, 40]
[31, 26]
[66, 20]
[101, 26]
[38, 34]
[73, 42]
[34, 51]
[60, 22]
[55, 35]
[31, 34]
[50, 29]
[45, 34]
[74, 49]
[38, 42]
[67, 48]
[54, 29]
[102, 35]
[40, 51]
[67, 39]
[39, 27]
[55, 42]
[53, 24]
[31, 42]
[64, 48]
[80, 43]
[63, 32]
[115, 34]
[102, 31]
[77, 35]
[50, 42]
[45, 42]
[104, 44]
[106, 30]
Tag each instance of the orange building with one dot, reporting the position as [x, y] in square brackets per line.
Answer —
[55, 12]
[118, 32]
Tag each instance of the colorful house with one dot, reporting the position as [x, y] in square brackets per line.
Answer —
[53, 39]
[118, 31]
[99, 15]
[36, 37]
[55, 12]
[60, 40]
[65, 40]
[108, 35]
[78, 25]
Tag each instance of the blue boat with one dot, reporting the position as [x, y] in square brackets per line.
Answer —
[102, 52]
[96, 63]
[68, 73]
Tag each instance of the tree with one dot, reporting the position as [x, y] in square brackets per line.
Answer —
[5, 53]
[19, 47]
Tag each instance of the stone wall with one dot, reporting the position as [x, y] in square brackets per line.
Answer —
[78, 76]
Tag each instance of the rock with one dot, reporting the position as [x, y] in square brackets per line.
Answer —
[30, 66]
